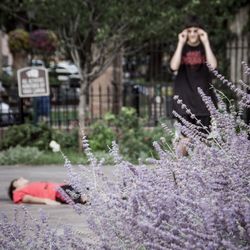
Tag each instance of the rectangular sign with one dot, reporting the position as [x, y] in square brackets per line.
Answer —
[33, 81]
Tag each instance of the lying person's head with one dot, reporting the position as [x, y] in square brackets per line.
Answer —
[16, 183]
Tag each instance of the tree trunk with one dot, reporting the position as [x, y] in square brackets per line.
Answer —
[117, 83]
[1, 55]
[82, 111]
[20, 60]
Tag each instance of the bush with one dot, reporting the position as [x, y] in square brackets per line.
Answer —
[26, 233]
[200, 201]
[27, 135]
[19, 155]
[67, 139]
[100, 136]
[37, 136]
[129, 131]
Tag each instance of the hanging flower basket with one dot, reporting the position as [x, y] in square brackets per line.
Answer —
[43, 41]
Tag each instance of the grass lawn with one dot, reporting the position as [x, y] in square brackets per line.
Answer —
[49, 158]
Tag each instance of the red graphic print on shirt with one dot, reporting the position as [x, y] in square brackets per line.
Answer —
[193, 58]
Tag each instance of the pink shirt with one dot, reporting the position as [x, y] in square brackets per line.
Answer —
[37, 189]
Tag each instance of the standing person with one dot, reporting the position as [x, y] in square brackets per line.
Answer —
[189, 61]
[41, 106]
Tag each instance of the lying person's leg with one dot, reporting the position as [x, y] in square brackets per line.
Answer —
[75, 196]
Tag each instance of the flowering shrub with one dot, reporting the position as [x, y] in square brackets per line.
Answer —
[19, 41]
[196, 202]
[44, 41]
[27, 232]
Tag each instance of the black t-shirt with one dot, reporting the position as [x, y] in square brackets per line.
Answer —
[193, 73]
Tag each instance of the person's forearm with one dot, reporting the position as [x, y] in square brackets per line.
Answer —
[176, 59]
[210, 57]
[34, 200]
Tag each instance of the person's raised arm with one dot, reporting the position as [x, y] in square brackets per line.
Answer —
[36, 200]
[176, 59]
[210, 57]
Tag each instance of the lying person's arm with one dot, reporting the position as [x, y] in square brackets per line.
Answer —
[36, 200]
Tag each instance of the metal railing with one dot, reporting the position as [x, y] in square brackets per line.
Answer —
[61, 108]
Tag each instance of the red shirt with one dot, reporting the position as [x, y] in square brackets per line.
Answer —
[37, 189]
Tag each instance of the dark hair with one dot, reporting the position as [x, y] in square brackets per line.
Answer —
[11, 189]
[193, 21]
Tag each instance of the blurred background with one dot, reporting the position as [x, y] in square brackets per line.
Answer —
[108, 68]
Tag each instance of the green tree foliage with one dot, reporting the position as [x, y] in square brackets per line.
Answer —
[90, 28]
[94, 31]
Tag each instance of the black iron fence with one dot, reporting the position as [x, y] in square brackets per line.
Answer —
[60, 109]
[238, 51]
[151, 102]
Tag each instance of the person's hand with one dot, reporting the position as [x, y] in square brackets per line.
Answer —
[51, 202]
[183, 36]
[203, 36]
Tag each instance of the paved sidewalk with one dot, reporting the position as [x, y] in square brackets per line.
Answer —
[57, 214]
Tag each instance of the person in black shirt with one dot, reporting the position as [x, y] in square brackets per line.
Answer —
[189, 61]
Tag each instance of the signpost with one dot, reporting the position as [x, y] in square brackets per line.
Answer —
[32, 82]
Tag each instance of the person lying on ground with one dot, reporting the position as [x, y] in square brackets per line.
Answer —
[22, 190]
